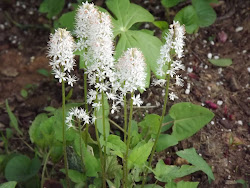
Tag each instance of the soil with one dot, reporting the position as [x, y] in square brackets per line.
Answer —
[224, 143]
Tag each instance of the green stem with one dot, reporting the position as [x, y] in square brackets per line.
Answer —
[63, 134]
[100, 153]
[104, 135]
[129, 137]
[159, 129]
[118, 126]
[86, 107]
[80, 142]
[125, 138]
[44, 167]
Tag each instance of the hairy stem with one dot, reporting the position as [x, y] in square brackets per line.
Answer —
[129, 137]
[159, 128]
[86, 107]
[104, 134]
[80, 142]
[63, 134]
[125, 138]
[100, 153]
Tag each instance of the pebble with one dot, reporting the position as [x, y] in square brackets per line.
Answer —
[238, 29]
[209, 88]
[204, 41]
[244, 51]
[209, 55]
[248, 69]
[219, 70]
[240, 122]
[205, 67]
[212, 42]
[216, 57]
[189, 70]
[219, 102]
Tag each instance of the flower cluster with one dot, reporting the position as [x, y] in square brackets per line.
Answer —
[94, 30]
[130, 75]
[78, 113]
[61, 47]
[166, 63]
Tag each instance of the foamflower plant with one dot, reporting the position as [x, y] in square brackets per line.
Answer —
[113, 85]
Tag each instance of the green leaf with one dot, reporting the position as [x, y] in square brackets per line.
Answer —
[167, 123]
[139, 155]
[205, 13]
[56, 152]
[113, 169]
[167, 173]
[221, 62]
[67, 20]
[52, 7]
[165, 141]
[192, 157]
[10, 184]
[243, 182]
[76, 176]
[42, 131]
[34, 128]
[149, 186]
[150, 125]
[170, 3]
[92, 165]
[162, 25]
[21, 168]
[69, 95]
[24, 93]
[127, 14]
[13, 119]
[186, 184]
[44, 72]
[189, 18]
[188, 119]
[117, 145]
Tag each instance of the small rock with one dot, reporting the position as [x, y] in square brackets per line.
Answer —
[209, 55]
[238, 29]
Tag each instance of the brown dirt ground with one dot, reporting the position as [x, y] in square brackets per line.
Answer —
[23, 52]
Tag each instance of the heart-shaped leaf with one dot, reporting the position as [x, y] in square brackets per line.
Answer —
[188, 119]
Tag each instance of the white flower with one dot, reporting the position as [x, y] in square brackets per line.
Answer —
[71, 80]
[179, 81]
[137, 100]
[61, 47]
[160, 82]
[170, 53]
[172, 96]
[78, 113]
[97, 105]
[131, 71]
[60, 75]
